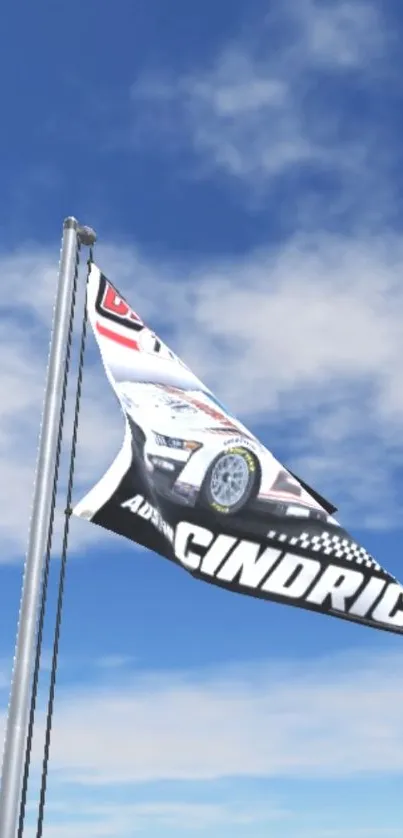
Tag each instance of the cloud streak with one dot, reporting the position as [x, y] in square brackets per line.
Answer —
[278, 101]
[124, 819]
[336, 718]
[182, 750]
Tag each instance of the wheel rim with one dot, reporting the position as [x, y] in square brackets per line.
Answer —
[229, 480]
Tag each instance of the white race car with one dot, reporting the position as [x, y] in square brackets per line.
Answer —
[197, 454]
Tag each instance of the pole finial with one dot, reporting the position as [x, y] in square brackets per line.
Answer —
[86, 235]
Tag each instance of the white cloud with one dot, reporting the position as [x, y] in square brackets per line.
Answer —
[122, 819]
[316, 719]
[357, 832]
[182, 751]
[264, 107]
[344, 34]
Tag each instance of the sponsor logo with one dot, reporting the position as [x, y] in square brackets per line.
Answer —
[233, 440]
[246, 565]
[249, 566]
[139, 506]
[111, 305]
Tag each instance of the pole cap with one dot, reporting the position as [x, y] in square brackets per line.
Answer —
[70, 223]
[86, 235]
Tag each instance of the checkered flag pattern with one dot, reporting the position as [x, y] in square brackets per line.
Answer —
[330, 545]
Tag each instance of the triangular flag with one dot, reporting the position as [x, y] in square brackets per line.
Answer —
[193, 484]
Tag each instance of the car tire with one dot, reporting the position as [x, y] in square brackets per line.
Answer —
[235, 473]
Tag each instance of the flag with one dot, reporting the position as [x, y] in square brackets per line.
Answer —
[193, 484]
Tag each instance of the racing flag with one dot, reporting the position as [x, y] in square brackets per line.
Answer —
[194, 485]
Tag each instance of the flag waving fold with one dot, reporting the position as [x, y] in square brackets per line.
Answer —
[193, 484]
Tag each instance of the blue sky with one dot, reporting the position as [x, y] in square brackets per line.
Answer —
[242, 166]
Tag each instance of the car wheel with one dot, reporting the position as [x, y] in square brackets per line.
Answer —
[231, 481]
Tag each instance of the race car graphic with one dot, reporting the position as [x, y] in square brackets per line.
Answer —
[196, 454]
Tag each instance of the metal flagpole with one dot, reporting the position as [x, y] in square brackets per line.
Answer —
[16, 730]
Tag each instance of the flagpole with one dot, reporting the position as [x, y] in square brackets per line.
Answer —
[17, 721]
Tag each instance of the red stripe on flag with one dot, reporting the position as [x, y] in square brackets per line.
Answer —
[107, 333]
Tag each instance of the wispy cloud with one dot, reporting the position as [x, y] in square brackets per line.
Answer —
[182, 750]
[344, 35]
[114, 662]
[275, 102]
[123, 819]
[322, 719]
[357, 832]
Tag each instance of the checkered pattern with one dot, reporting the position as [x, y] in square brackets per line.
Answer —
[329, 545]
